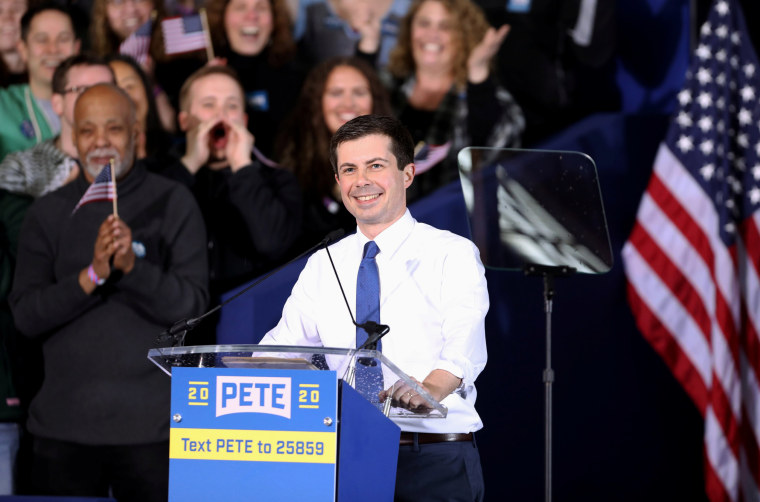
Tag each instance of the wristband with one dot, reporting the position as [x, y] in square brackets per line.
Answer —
[94, 276]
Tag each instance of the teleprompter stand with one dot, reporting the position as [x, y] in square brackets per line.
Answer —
[540, 212]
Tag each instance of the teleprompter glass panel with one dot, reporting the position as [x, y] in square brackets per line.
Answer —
[535, 207]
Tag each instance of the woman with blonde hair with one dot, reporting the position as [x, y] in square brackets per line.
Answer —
[443, 89]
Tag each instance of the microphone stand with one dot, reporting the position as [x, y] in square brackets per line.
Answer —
[177, 332]
[548, 273]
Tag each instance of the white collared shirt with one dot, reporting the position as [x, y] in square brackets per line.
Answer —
[433, 296]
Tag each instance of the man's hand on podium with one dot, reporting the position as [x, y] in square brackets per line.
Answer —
[404, 396]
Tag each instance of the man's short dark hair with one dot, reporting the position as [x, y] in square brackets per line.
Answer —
[31, 13]
[61, 73]
[402, 145]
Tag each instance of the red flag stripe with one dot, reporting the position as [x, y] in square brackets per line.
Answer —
[670, 329]
[724, 464]
[714, 485]
[670, 351]
[668, 273]
[751, 232]
[685, 275]
[678, 215]
[725, 417]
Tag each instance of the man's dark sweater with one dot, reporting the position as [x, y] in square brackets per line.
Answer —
[253, 217]
[99, 386]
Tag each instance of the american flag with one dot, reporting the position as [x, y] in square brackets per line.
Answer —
[426, 156]
[102, 188]
[138, 43]
[693, 258]
[183, 34]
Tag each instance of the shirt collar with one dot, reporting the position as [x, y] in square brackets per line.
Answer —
[390, 239]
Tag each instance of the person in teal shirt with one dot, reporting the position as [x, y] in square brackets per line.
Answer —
[47, 38]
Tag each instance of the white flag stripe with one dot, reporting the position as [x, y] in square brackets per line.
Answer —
[723, 462]
[656, 295]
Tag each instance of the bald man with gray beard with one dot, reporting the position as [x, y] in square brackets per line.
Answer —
[96, 289]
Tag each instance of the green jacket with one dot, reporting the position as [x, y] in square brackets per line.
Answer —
[23, 123]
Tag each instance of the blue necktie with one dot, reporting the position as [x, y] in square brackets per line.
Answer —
[369, 379]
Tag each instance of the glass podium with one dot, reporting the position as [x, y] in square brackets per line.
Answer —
[289, 357]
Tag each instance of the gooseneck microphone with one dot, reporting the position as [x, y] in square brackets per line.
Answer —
[375, 331]
[177, 331]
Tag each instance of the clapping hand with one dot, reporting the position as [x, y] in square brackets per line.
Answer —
[367, 22]
[481, 55]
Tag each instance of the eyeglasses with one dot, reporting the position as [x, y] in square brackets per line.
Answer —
[77, 89]
[120, 3]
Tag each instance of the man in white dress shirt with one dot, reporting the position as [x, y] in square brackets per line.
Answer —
[433, 296]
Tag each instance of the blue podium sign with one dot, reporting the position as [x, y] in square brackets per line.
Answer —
[253, 434]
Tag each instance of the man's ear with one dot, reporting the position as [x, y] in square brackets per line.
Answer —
[182, 119]
[408, 174]
[21, 47]
[56, 101]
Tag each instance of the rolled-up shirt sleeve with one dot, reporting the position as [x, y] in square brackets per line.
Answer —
[464, 296]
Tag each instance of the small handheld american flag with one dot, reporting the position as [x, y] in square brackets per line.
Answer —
[138, 43]
[184, 34]
[102, 188]
[427, 156]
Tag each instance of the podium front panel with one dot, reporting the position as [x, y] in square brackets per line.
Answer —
[253, 434]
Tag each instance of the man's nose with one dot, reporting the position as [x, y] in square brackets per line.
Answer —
[361, 177]
[101, 139]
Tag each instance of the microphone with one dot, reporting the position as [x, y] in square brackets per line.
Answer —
[177, 331]
[375, 331]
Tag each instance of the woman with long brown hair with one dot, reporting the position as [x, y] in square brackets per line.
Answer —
[334, 92]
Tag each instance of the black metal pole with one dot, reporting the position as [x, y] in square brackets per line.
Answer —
[548, 381]
[548, 273]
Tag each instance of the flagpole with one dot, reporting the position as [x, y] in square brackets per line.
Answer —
[113, 179]
[206, 33]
